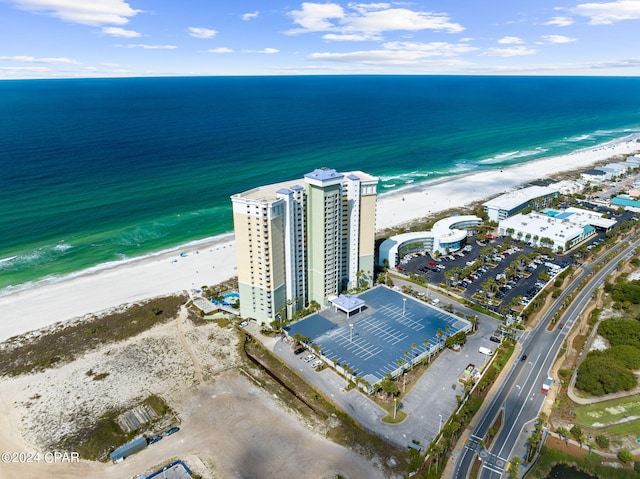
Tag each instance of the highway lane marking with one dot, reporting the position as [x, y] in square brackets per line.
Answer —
[492, 469]
[524, 402]
[530, 373]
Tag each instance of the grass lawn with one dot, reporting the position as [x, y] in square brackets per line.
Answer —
[608, 412]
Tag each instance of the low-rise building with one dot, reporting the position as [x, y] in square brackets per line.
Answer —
[448, 234]
[509, 204]
[557, 230]
[594, 176]
[567, 187]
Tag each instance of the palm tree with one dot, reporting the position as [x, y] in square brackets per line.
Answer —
[426, 344]
[474, 322]
[439, 333]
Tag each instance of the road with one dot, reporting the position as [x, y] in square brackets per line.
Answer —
[519, 396]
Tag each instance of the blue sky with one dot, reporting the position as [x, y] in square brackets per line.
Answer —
[114, 38]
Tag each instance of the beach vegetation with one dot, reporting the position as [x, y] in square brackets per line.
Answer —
[97, 440]
[66, 342]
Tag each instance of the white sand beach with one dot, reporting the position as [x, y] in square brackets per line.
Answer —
[214, 262]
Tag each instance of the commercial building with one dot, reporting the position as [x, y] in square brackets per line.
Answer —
[626, 202]
[303, 240]
[509, 204]
[448, 234]
[560, 230]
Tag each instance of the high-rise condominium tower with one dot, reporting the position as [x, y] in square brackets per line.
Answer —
[303, 241]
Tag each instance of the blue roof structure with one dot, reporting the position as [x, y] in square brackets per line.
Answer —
[625, 200]
[564, 215]
[348, 303]
[128, 449]
[391, 332]
[324, 174]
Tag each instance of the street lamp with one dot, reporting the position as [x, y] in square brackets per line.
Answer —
[404, 381]
[404, 304]
[394, 407]
[440, 424]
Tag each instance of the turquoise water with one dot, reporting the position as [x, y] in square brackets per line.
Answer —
[104, 170]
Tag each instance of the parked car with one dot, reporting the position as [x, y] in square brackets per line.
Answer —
[309, 358]
[173, 430]
[154, 439]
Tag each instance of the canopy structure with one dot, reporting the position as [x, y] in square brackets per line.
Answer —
[347, 303]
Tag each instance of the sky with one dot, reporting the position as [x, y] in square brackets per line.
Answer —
[134, 38]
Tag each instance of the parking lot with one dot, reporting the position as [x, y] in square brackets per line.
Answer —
[431, 399]
[471, 267]
[392, 331]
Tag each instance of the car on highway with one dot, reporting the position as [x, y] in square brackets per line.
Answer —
[523, 357]
[173, 430]
[561, 325]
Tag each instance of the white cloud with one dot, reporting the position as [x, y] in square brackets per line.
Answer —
[119, 32]
[509, 52]
[385, 57]
[402, 53]
[199, 32]
[558, 39]
[86, 12]
[366, 19]
[220, 50]
[314, 16]
[148, 47]
[268, 51]
[401, 19]
[250, 16]
[560, 21]
[50, 60]
[351, 37]
[367, 7]
[510, 41]
[609, 12]
[441, 49]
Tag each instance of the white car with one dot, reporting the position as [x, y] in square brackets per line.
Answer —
[309, 358]
[316, 364]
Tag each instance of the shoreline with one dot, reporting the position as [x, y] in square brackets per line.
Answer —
[213, 260]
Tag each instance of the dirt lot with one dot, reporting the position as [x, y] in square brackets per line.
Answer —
[230, 427]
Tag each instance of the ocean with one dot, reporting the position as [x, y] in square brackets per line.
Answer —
[100, 171]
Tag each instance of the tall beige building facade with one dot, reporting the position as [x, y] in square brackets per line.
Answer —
[302, 241]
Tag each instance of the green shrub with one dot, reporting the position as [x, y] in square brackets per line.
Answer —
[602, 441]
[599, 374]
[625, 456]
